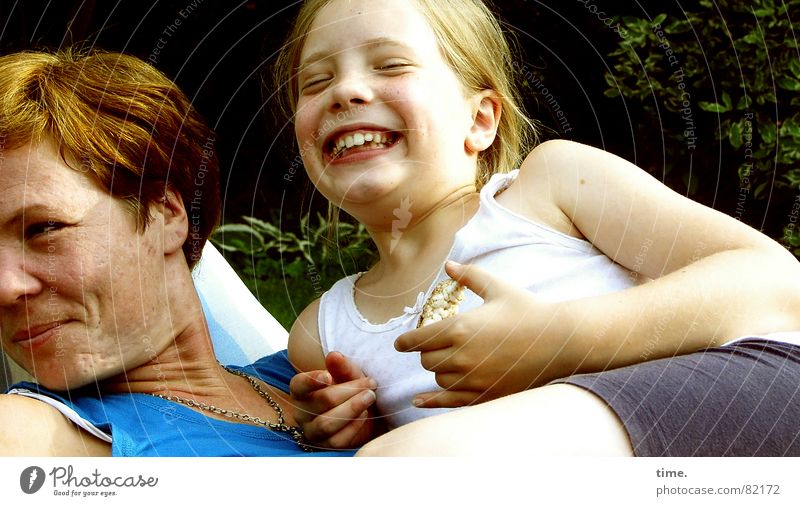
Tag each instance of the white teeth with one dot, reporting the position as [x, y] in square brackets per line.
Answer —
[359, 139]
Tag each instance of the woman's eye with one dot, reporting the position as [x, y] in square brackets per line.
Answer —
[43, 228]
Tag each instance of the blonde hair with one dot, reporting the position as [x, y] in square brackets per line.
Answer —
[123, 121]
[472, 42]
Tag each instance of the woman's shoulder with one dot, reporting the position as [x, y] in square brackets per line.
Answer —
[32, 427]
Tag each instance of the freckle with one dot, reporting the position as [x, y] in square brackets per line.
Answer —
[583, 181]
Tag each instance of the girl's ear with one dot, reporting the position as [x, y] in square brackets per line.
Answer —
[486, 110]
[176, 222]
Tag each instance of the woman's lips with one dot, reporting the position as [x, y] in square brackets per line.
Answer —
[38, 335]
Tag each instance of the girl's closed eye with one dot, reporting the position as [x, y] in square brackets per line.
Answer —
[313, 82]
[394, 65]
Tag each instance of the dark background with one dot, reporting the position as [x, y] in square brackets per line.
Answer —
[221, 52]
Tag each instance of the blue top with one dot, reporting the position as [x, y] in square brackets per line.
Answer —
[142, 425]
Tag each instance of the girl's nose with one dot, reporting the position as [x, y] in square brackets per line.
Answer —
[16, 282]
[353, 91]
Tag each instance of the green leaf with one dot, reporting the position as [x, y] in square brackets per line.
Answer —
[790, 128]
[726, 99]
[659, 19]
[793, 176]
[295, 269]
[735, 133]
[794, 66]
[760, 189]
[768, 131]
[744, 103]
[789, 83]
[256, 223]
[713, 107]
[677, 27]
[754, 38]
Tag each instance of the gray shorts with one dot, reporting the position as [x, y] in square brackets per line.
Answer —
[737, 400]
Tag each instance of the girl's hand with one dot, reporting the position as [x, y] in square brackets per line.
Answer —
[332, 406]
[507, 345]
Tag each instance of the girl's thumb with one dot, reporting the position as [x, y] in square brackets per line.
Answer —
[472, 277]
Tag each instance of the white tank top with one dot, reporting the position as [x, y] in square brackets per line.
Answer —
[552, 265]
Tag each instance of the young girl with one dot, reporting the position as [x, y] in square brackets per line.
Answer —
[407, 119]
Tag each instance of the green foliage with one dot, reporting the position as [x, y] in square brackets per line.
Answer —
[724, 80]
[286, 271]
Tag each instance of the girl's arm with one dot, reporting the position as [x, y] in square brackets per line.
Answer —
[713, 279]
[332, 396]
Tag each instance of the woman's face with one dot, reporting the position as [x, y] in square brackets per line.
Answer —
[81, 290]
[380, 113]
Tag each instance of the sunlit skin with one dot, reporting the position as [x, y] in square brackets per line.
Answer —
[71, 307]
[86, 295]
[376, 67]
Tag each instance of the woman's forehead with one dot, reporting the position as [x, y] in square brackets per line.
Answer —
[34, 175]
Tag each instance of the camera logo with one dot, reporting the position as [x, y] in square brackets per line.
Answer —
[31, 479]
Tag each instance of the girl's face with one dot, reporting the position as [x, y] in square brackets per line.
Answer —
[380, 114]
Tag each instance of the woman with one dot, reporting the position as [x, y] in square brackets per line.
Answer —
[108, 191]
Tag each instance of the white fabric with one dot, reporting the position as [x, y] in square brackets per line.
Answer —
[783, 337]
[550, 264]
[65, 410]
[241, 329]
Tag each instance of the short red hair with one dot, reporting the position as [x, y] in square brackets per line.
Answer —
[120, 120]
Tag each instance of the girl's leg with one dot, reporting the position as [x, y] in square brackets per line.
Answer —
[554, 420]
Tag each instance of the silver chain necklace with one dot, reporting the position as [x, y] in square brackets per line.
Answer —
[280, 426]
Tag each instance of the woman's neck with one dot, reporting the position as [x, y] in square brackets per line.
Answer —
[185, 365]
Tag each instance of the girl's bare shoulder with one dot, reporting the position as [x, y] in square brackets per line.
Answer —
[535, 192]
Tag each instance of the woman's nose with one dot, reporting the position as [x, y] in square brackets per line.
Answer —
[16, 282]
[352, 91]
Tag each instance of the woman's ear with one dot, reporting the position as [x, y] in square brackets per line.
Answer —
[486, 110]
[176, 222]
